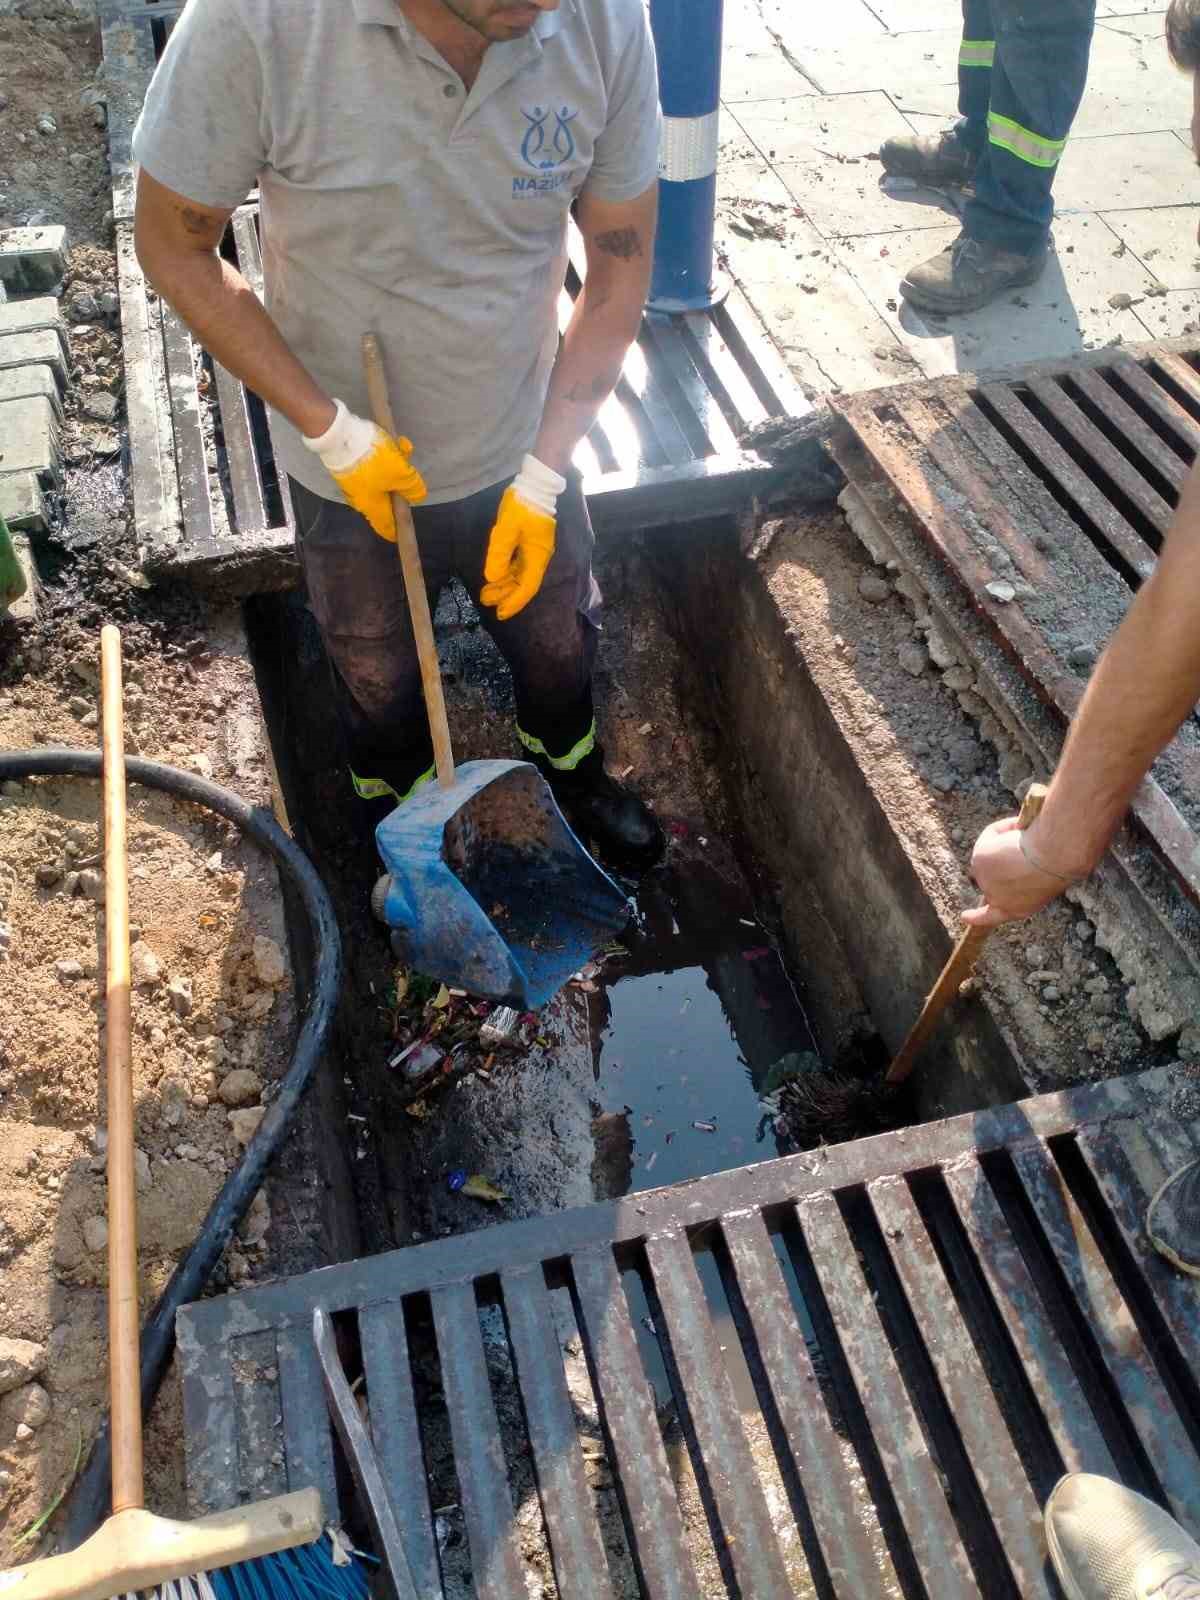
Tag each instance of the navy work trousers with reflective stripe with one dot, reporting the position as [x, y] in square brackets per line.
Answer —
[356, 592]
[1018, 101]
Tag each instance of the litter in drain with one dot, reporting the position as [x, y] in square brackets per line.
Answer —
[983, 1310]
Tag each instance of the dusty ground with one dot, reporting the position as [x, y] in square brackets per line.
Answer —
[205, 1008]
[212, 1017]
[49, 59]
[49, 53]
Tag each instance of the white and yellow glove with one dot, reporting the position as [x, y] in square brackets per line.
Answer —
[522, 542]
[369, 467]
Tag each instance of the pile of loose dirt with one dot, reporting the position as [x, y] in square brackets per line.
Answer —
[212, 1008]
[54, 169]
[53, 161]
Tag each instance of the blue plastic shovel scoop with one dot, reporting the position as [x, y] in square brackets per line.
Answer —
[489, 887]
[486, 884]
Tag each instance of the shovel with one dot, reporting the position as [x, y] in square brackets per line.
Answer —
[486, 885]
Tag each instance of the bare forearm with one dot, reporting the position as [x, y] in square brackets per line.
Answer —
[227, 318]
[1144, 687]
[585, 374]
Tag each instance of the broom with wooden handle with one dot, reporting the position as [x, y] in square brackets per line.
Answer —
[273, 1551]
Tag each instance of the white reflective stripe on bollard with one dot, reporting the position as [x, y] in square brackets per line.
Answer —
[688, 148]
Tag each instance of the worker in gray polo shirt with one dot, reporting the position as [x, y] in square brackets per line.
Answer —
[416, 161]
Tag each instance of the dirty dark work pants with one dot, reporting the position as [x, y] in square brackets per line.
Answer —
[1021, 75]
[356, 592]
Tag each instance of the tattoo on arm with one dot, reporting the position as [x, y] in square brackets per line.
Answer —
[197, 224]
[624, 243]
[586, 394]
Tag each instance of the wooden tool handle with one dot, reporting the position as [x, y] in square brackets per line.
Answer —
[959, 967]
[414, 578]
[123, 1318]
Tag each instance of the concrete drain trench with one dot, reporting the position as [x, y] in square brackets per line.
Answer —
[795, 912]
[738, 954]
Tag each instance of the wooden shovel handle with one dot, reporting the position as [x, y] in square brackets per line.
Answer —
[414, 578]
[956, 971]
[123, 1317]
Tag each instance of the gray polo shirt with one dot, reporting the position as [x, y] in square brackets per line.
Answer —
[394, 201]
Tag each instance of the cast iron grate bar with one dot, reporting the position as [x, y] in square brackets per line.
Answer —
[933, 1263]
[1181, 375]
[479, 1451]
[308, 1437]
[396, 1433]
[705, 1395]
[915, 1478]
[787, 1370]
[1156, 402]
[965, 1391]
[1079, 1441]
[1124, 482]
[1113, 1172]
[576, 1543]
[1105, 526]
[1129, 1363]
[1121, 423]
[632, 1430]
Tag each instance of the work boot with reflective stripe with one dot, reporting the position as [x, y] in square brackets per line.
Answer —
[378, 798]
[932, 158]
[969, 274]
[605, 813]
[1173, 1219]
[1108, 1543]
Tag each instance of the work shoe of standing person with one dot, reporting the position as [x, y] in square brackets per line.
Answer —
[932, 158]
[605, 812]
[1173, 1219]
[1108, 1543]
[969, 274]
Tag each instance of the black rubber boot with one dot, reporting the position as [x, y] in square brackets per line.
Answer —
[932, 158]
[604, 812]
[969, 274]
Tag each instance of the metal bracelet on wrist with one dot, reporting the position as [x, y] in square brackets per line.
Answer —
[1049, 872]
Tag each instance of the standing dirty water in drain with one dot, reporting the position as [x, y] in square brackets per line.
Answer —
[688, 1026]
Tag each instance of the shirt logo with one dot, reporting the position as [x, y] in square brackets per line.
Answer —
[542, 150]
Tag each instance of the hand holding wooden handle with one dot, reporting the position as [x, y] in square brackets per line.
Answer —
[959, 967]
[414, 578]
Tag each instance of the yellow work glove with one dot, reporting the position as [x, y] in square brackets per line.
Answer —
[369, 467]
[522, 541]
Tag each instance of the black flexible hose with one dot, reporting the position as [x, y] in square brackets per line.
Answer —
[89, 1502]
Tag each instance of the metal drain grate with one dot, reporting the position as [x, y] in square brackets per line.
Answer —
[665, 447]
[909, 1339]
[1060, 481]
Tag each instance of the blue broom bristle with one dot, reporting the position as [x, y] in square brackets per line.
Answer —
[308, 1572]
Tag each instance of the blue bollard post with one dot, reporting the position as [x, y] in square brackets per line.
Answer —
[687, 37]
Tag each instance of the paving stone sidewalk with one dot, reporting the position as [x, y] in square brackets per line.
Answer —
[818, 243]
